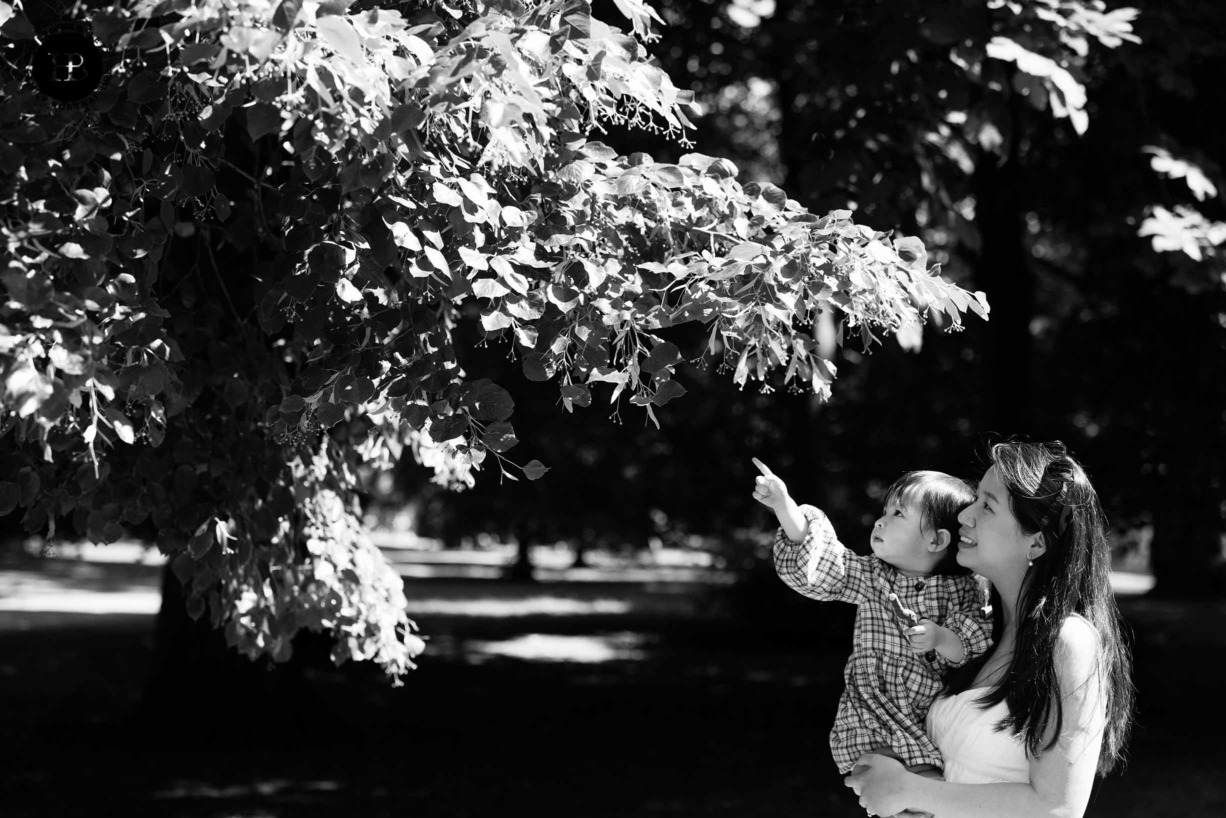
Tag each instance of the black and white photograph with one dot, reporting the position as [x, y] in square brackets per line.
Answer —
[612, 409]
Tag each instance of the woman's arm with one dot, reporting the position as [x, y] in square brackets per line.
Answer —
[1060, 779]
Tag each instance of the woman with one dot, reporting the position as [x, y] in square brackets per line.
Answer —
[1025, 727]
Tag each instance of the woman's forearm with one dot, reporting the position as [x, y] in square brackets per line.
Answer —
[948, 800]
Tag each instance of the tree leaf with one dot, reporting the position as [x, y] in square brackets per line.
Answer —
[338, 34]
[577, 394]
[300, 285]
[121, 425]
[263, 118]
[446, 195]
[201, 541]
[286, 14]
[747, 251]
[355, 390]
[667, 391]
[292, 404]
[499, 437]
[564, 297]
[327, 260]
[26, 389]
[495, 320]
[195, 606]
[512, 216]
[407, 117]
[474, 259]
[17, 27]
[535, 470]
[534, 367]
[437, 260]
[448, 427]
[663, 355]
[329, 414]
[489, 288]
[774, 195]
[489, 401]
[346, 292]
[146, 86]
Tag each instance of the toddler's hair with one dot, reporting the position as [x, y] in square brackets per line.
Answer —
[940, 497]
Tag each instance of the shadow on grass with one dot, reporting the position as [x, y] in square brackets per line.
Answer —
[695, 707]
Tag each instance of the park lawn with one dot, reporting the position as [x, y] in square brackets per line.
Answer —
[661, 709]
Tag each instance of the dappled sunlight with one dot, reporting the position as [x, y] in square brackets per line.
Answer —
[1127, 583]
[528, 606]
[547, 647]
[260, 789]
[53, 600]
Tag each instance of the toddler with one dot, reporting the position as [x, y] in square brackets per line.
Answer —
[919, 613]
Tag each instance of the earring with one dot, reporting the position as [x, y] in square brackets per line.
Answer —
[1029, 563]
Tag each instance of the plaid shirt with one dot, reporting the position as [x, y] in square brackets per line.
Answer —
[888, 686]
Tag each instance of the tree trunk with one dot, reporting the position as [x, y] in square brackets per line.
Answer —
[1003, 272]
[522, 570]
[579, 545]
[1186, 554]
[202, 687]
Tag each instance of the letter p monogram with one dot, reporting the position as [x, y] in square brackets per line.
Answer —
[65, 66]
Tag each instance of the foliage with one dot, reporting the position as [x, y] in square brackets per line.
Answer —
[236, 274]
[1108, 339]
[892, 106]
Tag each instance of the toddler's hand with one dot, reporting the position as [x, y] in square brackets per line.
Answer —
[768, 489]
[923, 636]
[906, 617]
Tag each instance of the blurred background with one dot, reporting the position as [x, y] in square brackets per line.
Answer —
[611, 640]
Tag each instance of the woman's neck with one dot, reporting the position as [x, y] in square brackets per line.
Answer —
[1008, 611]
[1010, 592]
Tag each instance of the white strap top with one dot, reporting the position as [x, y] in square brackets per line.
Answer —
[975, 752]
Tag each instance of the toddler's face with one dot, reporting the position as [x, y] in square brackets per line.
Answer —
[898, 538]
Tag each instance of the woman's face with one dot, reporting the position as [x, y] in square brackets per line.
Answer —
[991, 541]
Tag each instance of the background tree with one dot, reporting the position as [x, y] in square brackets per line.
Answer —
[914, 115]
[943, 114]
[255, 261]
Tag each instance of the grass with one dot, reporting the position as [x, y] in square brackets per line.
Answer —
[664, 706]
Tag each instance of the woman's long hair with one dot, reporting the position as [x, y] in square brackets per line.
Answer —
[1049, 493]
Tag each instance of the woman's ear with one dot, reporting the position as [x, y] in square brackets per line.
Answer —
[1037, 547]
[940, 541]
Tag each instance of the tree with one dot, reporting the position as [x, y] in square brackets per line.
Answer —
[1142, 284]
[1106, 338]
[238, 272]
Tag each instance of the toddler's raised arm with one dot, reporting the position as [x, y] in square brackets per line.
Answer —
[819, 566]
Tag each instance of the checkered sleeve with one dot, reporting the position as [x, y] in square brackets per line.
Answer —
[819, 566]
[969, 620]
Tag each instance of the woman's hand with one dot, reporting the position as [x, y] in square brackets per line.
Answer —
[881, 783]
